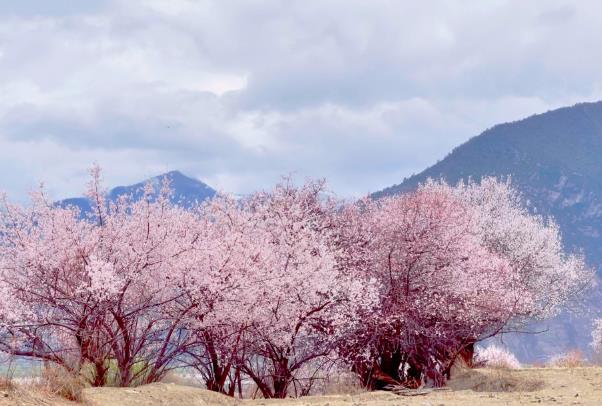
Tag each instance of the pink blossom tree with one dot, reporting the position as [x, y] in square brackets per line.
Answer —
[531, 244]
[219, 275]
[101, 289]
[438, 285]
[455, 265]
[276, 284]
[297, 299]
[47, 308]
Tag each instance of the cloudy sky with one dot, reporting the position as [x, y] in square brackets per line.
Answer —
[237, 93]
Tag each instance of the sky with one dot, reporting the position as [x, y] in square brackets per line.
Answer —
[239, 93]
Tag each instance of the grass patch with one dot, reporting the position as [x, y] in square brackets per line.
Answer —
[139, 371]
[7, 384]
[494, 380]
[61, 382]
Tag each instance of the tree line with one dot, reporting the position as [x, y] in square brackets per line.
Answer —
[277, 287]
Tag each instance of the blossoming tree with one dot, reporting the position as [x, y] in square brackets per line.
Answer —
[298, 299]
[104, 288]
[276, 286]
[455, 265]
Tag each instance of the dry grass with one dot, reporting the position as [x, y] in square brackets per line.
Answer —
[469, 387]
[7, 384]
[513, 387]
[60, 382]
[338, 384]
[571, 359]
[494, 380]
[8, 387]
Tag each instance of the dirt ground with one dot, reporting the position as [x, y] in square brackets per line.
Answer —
[558, 386]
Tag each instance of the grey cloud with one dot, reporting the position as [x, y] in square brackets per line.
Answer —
[238, 93]
[558, 15]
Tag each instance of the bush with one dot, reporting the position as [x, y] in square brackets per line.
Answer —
[571, 359]
[59, 381]
[496, 357]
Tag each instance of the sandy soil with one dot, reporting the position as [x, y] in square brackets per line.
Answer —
[576, 386]
[28, 397]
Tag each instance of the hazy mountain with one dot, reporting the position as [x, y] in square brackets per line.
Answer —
[186, 190]
[555, 159]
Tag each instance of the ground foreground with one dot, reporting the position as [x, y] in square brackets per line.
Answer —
[559, 386]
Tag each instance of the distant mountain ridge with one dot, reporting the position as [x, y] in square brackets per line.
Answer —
[186, 191]
[555, 160]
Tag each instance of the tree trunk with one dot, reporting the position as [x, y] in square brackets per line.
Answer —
[467, 354]
[390, 363]
[125, 375]
[413, 376]
[100, 373]
[282, 379]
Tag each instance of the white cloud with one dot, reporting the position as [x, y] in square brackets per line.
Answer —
[237, 93]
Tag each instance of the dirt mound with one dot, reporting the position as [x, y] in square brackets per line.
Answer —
[156, 394]
[495, 380]
[569, 386]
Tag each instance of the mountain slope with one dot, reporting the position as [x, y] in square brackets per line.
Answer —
[186, 190]
[555, 159]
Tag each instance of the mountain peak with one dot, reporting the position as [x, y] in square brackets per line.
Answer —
[565, 141]
[187, 191]
[172, 174]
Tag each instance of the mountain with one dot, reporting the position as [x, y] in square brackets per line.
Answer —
[555, 160]
[187, 191]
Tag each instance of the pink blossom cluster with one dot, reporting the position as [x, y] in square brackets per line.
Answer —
[494, 356]
[270, 286]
